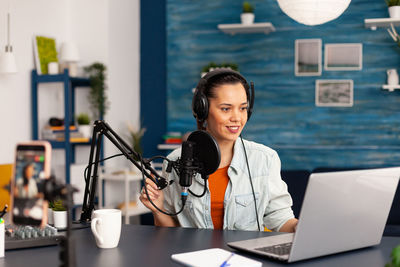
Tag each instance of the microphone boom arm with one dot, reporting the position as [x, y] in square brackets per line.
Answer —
[101, 129]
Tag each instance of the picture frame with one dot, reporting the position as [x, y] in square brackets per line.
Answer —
[334, 93]
[308, 57]
[44, 51]
[343, 56]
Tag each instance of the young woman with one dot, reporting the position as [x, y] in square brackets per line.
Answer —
[246, 192]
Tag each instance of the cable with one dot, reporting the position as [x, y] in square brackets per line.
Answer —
[87, 167]
[204, 191]
[251, 183]
[183, 197]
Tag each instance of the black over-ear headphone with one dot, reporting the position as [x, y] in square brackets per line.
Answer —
[200, 103]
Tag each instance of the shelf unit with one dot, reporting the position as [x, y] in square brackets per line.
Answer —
[127, 178]
[70, 84]
[381, 22]
[263, 27]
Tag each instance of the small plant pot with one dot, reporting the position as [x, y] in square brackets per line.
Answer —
[50, 219]
[394, 11]
[86, 130]
[247, 18]
[60, 219]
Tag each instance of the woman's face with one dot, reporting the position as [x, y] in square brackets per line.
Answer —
[29, 171]
[227, 113]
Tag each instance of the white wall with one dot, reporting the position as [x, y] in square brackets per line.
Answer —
[104, 30]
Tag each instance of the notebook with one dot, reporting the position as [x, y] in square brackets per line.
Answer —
[341, 211]
[214, 257]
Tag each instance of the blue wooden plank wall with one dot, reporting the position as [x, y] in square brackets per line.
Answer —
[285, 116]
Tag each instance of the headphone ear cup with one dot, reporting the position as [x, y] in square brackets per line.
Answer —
[200, 106]
[251, 101]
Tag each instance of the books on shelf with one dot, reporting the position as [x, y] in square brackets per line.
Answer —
[57, 133]
[173, 138]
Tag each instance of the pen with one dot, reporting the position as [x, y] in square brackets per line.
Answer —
[4, 211]
[225, 263]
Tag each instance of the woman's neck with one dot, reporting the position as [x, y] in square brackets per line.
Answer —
[226, 149]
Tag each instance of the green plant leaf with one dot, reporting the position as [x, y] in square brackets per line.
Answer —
[396, 256]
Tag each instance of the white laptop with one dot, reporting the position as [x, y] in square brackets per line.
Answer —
[341, 211]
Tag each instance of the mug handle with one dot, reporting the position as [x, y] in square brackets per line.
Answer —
[93, 225]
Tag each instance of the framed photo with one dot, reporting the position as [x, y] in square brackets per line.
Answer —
[343, 56]
[308, 57]
[334, 93]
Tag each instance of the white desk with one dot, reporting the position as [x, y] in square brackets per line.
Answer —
[127, 177]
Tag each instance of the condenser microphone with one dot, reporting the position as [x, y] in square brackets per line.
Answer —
[200, 154]
[187, 166]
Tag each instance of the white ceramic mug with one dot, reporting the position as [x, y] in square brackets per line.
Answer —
[106, 227]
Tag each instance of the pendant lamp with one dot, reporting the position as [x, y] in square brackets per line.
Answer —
[313, 12]
[7, 59]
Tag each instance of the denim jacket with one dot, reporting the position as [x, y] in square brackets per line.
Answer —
[272, 197]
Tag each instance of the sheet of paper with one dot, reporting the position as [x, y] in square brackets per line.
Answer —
[214, 257]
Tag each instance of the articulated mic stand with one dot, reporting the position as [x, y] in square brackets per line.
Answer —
[102, 128]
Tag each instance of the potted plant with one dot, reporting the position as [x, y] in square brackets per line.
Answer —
[395, 255]
[394, 8]
[212, 66]
[136, 138]
[85, 128]
[97, 95]
[247, 17]
[59, 214]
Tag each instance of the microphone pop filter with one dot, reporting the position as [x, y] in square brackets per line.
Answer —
[206, 151]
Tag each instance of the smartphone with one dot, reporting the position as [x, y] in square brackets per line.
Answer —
[31, 168]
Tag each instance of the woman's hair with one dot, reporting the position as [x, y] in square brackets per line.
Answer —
[213, 83]
[24, 176]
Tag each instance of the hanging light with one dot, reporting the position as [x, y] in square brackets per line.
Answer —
[7, 59]
[313, 12]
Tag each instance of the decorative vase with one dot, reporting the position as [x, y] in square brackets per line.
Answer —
[86, 130]
[393, 77]
[394, 11]
[247, 18]
[60, 219]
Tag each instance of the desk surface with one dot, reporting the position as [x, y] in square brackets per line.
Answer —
[152, 246]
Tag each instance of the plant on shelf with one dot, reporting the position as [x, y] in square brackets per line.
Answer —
[136, 139]
[83, 121]
[97, 95]
[247, 17]
[395, 255]
[393, 33]
[394, 8]
[212, 66]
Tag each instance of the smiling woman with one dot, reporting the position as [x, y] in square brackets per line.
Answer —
[246, 192]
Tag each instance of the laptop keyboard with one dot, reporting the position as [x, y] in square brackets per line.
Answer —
[280, 249]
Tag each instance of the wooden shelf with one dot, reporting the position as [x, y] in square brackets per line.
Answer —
[381, 22]
[390, 88]
[264, 27]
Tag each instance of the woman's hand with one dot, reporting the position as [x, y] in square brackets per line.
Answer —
[155, 195]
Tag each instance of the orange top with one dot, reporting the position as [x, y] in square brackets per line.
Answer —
[218, 181]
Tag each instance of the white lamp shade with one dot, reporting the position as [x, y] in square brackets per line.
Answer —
[7, 63]
[313, 12]
[69, 52]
